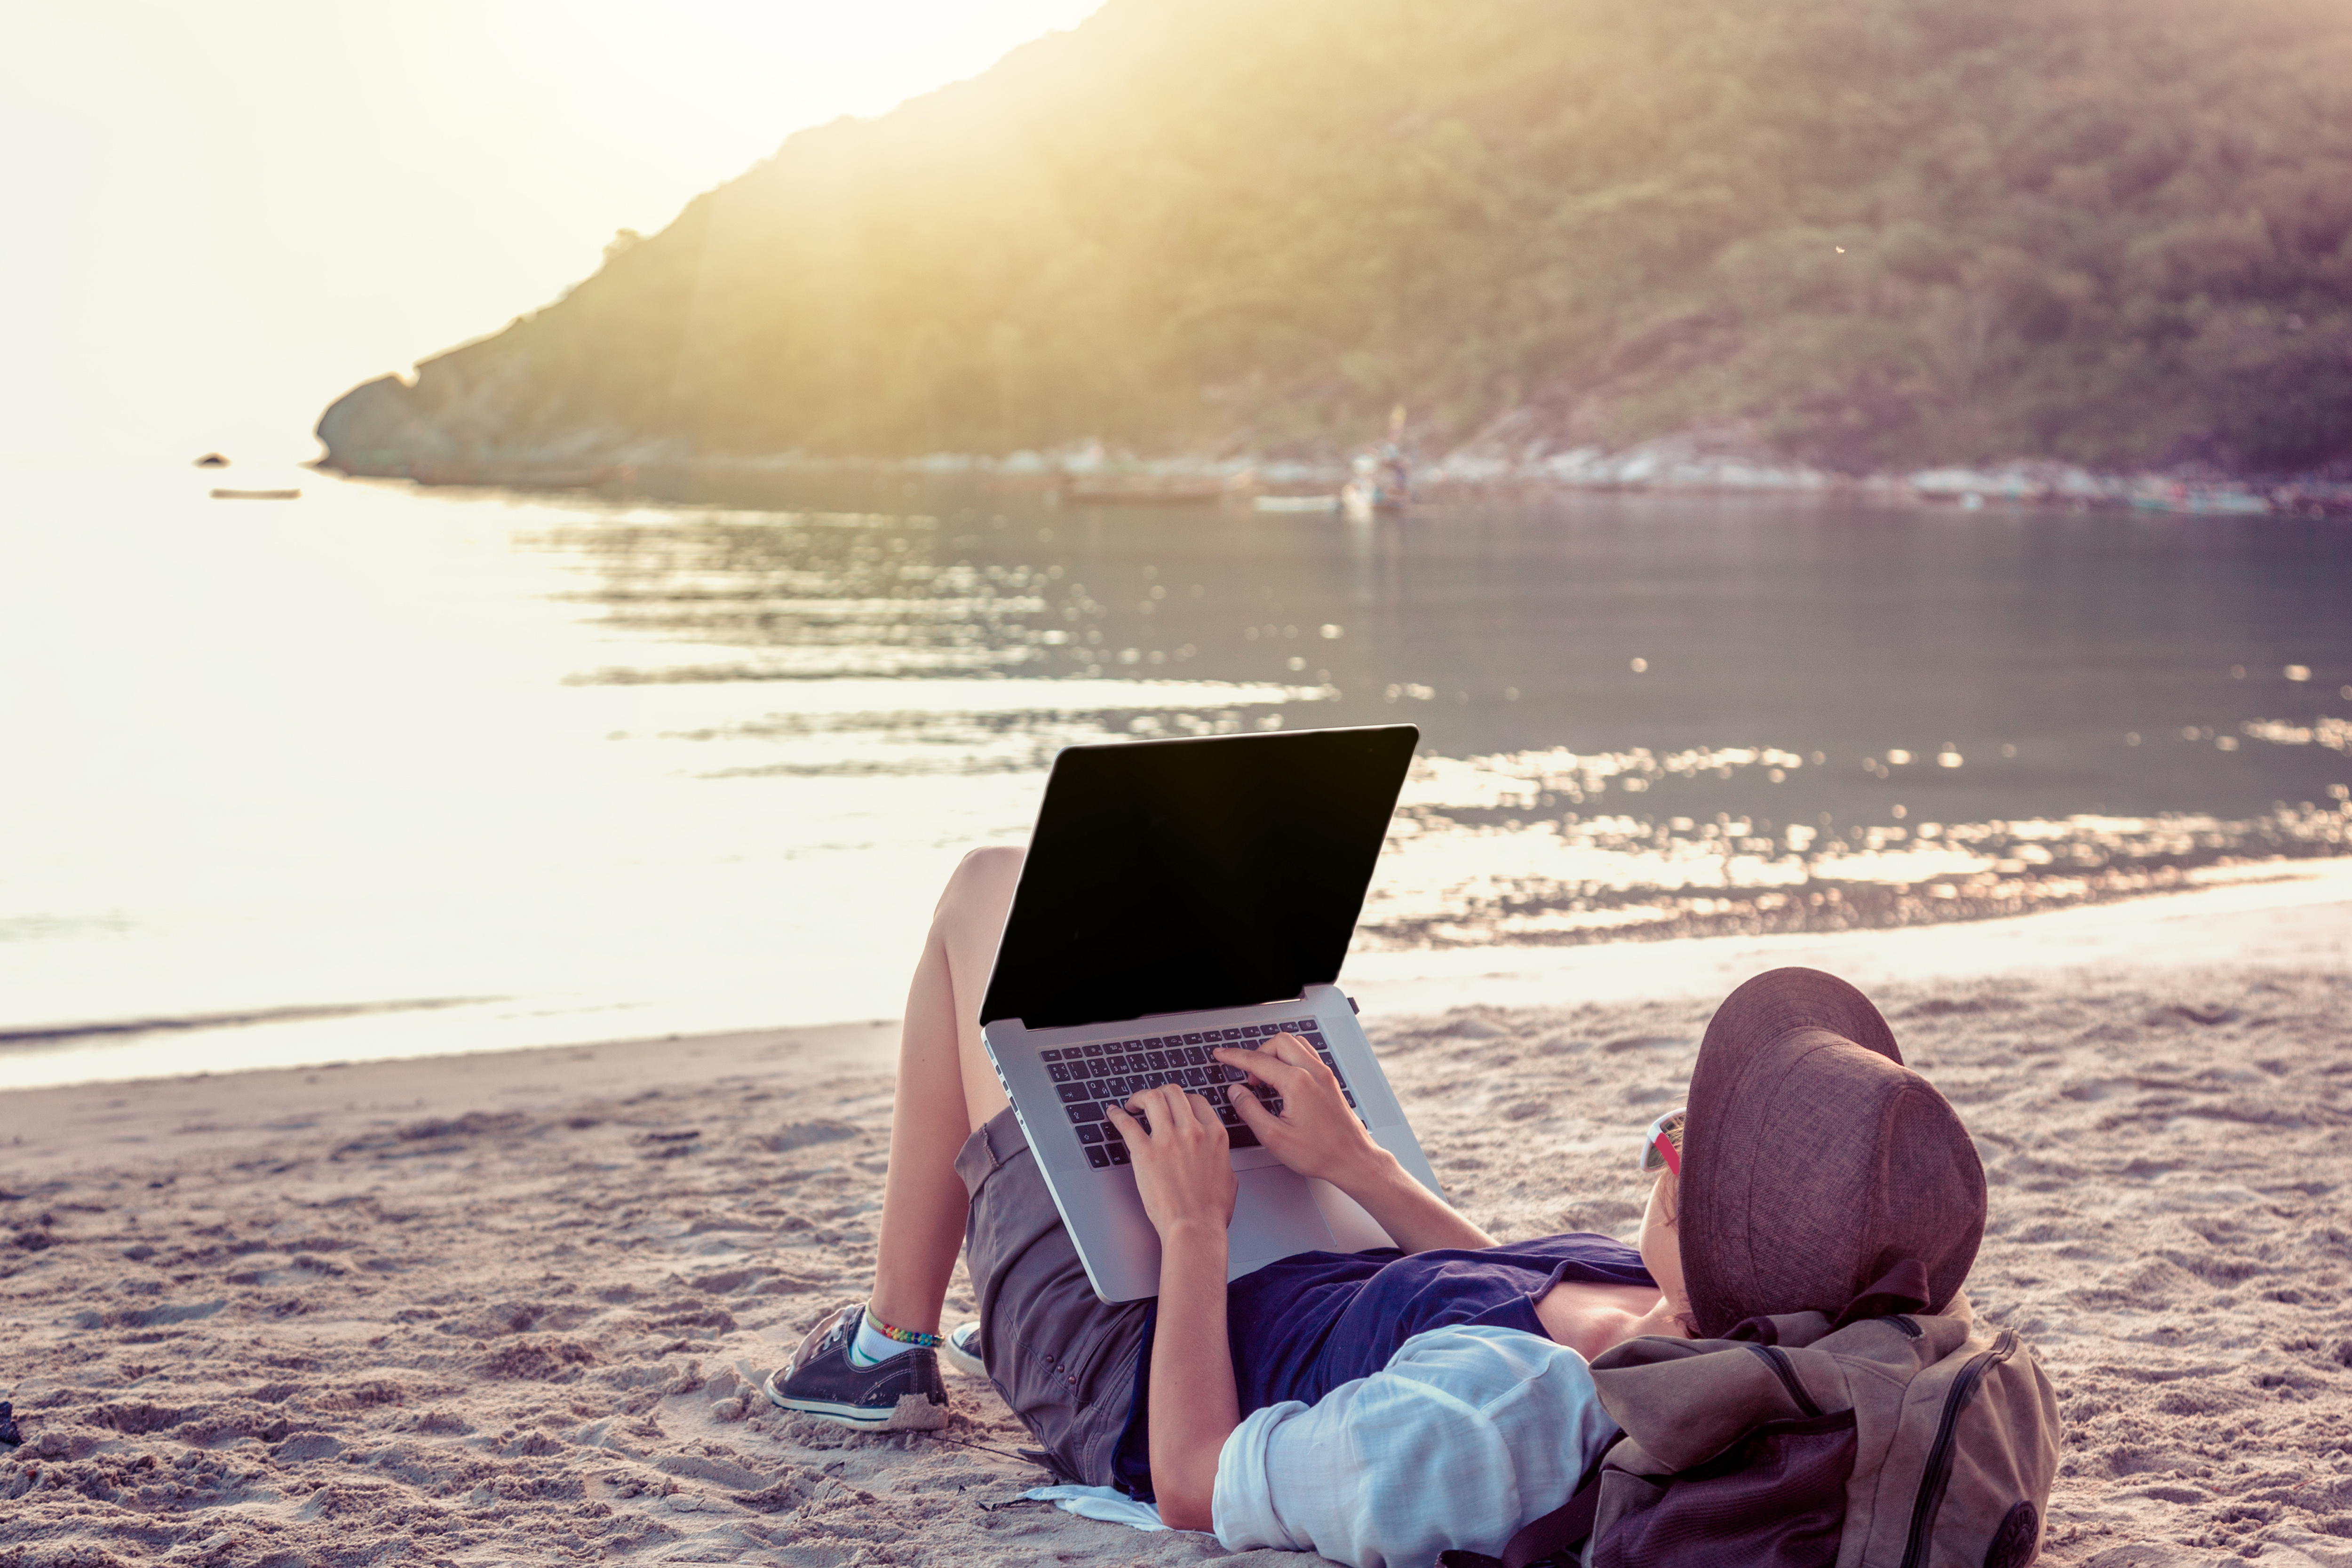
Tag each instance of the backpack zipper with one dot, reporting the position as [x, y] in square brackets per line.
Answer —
[1778, 1360]
[1939, 1472]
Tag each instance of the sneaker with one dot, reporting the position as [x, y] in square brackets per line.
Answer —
[903, 1394]
[961, 1350]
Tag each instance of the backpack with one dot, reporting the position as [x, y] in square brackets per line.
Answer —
[1904, 1441]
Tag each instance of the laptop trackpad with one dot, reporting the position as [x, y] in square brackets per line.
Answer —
[1274, 1215]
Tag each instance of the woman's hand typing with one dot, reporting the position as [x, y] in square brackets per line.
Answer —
[1183, 1170]
[1317, 1133]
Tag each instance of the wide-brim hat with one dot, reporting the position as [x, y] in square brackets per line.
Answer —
[1813, 1161]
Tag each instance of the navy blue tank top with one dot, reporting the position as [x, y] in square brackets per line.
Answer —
[1302, 1327]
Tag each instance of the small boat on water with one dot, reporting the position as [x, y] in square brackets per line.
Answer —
[1362, 502]
[1296, 503]
[257, 495]
[1378, 488]
[1382, 481]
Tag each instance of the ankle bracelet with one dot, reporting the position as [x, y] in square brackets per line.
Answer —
[915, 1337]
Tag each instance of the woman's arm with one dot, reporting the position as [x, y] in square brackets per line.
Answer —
[1318, 1135]
[1185, 1176]
[1466, 1434]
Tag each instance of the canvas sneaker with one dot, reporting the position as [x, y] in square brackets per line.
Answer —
[961, 1350]
[903, 1394]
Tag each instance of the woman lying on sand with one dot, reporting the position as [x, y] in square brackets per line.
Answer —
[1376, 1406]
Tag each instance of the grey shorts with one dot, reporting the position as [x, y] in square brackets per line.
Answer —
[1063, 1359]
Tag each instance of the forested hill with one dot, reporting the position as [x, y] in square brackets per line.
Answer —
[1871, 232]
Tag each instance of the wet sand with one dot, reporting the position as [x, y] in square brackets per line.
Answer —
[502, 1309]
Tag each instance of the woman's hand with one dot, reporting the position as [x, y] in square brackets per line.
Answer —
[1317, 1133]
[1183, 1170]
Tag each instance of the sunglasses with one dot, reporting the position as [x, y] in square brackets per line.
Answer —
[1661, 1145]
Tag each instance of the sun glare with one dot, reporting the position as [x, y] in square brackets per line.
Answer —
[731, 77]
[246, 208]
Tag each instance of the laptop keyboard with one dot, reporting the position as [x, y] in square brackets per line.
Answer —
[1089, 1077]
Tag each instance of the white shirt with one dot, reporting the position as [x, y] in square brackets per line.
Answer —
[1468, 1433]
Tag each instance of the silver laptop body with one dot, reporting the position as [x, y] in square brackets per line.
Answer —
[1278, 1213]
[1069, 906]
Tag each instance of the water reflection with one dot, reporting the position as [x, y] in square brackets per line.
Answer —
[1484, 853]
[1807, 719]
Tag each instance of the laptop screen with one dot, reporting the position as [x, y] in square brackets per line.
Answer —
[1171, 876]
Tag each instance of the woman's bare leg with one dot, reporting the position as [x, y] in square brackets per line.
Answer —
[946, 1089]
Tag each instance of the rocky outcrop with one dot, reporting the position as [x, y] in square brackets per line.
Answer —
[470, 418]
[375, 429]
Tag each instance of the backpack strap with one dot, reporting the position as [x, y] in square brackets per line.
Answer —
[1553, 1534]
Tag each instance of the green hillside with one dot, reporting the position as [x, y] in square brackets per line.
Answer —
[1872, 232]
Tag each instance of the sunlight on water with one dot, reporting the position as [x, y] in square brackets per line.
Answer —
[387, 771]
[1483, 851]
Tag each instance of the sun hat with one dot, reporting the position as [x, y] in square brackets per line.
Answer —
[1815, 1165]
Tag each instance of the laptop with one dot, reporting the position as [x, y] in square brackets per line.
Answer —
[1179, 896]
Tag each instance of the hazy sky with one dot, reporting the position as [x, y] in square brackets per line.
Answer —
[220, 217]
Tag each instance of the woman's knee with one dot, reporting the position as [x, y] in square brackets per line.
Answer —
[984, 880]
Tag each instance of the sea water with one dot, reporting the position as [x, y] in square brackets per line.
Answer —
[387, 770]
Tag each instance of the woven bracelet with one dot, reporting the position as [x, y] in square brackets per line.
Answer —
[904, 1336]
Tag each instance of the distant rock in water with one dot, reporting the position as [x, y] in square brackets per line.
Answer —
[212, 460]
[1870, 236]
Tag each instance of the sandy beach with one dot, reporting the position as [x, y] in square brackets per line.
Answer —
[514, 1307]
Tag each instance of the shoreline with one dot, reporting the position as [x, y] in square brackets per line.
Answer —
[2275, 914]
[1687, 464]
[69, 1126]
